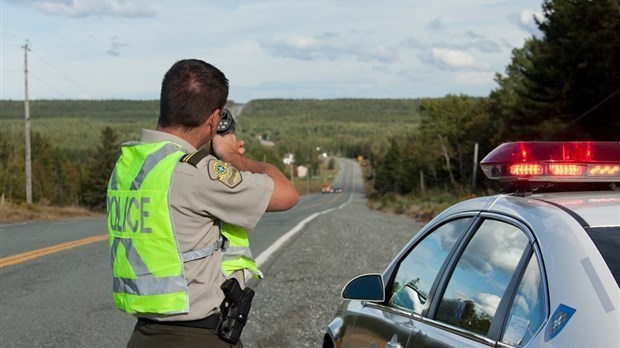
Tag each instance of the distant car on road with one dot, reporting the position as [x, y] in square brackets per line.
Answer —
[326, 188]
[518, 269]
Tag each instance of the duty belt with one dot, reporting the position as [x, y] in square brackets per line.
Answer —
[210, 322]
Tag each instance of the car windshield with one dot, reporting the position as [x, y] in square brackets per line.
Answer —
[607, 240]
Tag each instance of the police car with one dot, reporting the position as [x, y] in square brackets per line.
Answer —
[519, 269]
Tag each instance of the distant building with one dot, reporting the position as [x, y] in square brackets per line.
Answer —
[265, 142]
[288, 159]
[302, 171]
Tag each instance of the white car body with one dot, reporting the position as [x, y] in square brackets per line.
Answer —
[574, 273]
[521, 269]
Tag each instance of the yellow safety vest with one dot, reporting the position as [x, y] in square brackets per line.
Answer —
[147, 265]
[237, 254]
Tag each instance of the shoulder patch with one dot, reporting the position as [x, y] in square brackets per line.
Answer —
[224, 173]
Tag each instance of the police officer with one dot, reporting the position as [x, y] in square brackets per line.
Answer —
[166, 204]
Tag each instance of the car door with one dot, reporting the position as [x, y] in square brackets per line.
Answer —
[391, 323]
[469, 305]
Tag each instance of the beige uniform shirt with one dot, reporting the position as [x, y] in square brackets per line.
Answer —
[197, 203]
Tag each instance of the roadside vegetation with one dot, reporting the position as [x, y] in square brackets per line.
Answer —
[14, 213]
[418, 155]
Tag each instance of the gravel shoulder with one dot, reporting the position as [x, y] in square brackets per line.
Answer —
[302, 287]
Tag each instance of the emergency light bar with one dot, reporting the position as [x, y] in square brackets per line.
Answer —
[554, 161]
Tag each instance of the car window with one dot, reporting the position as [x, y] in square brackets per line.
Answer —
[417, 271]
[527, 311]
[481, 276]
[607, 240]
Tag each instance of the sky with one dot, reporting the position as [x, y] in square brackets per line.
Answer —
[319, 49]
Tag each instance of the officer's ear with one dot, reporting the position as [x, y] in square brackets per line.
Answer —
[214, 120]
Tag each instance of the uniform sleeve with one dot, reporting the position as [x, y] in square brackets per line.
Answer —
[220, 190]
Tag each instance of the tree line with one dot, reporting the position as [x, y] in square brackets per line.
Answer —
[76, 143]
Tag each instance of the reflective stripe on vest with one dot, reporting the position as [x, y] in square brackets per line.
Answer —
[237, 254]
[146, 264]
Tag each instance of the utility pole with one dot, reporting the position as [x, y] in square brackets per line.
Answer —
[27, 128]
[473, 177]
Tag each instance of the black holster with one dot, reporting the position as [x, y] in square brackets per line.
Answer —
[235, 309]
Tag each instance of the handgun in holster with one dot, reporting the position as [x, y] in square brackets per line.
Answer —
[235, 309]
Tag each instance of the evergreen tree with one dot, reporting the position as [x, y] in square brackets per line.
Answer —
[99, 168]
[43, 169]
[566, 84]
[331, 164]
[390, 171]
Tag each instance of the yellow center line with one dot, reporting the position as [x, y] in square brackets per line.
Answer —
[11, 260]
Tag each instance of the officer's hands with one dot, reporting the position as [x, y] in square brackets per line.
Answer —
[228, 149]
[227, 146]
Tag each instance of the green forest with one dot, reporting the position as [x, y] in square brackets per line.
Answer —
[561, 85]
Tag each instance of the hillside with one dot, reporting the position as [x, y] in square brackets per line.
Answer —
[71, 156]
[343, 126]
[75, 125]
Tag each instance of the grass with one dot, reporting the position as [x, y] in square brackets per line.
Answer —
[12, 213]
[313, 184]
[420, 206]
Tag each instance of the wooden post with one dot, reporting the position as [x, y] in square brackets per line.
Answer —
[422, 181]
[473, 177]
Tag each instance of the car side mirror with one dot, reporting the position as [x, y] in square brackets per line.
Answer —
[367, 287]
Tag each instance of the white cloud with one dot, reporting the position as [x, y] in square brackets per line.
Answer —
[88, 8]
[523, 304]
[487, 303]
[525, 20]
[455, 59]
[330, 46]
[497, 247]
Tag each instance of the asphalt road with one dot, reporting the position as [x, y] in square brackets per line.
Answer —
[301, 290]
[63, 299]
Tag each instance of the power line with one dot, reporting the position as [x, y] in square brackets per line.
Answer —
[48, 85]
[10, 44]
[594, 107]
[63, 75]
[573, 121]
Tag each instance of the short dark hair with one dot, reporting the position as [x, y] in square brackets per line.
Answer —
[191, 90]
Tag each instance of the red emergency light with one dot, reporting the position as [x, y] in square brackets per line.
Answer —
[554, 161]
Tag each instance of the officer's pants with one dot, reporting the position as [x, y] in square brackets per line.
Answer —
[166, 336]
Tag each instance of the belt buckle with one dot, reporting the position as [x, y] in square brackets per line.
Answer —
[224, 244]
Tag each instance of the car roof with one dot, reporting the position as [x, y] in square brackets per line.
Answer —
[590, 209]
[597, 209]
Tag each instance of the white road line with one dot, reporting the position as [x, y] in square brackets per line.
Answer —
[265, 255]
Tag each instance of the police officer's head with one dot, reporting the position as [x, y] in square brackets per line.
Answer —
[191, 91]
